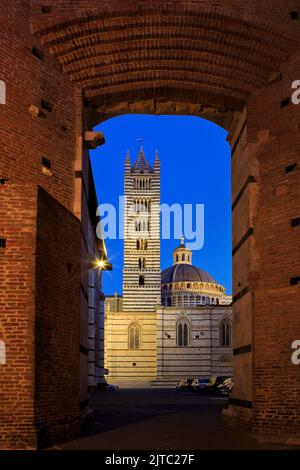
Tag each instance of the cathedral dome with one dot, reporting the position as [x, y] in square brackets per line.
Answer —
[186, 285]
[185, 272]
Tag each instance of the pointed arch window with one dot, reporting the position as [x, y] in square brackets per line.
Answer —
[134, 336]
[183, 332]
[225, 333]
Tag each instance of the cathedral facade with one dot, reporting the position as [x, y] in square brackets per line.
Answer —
[168, 325]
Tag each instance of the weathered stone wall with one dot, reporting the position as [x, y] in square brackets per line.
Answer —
[130, 367]
[202, 356]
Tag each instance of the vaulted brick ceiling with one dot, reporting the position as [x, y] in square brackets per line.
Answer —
[210, 53]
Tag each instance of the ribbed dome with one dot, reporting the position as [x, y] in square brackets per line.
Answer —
[185, 272]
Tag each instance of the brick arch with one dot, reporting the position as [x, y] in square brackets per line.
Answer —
[232, 56]
[165, 57]
[191, 58]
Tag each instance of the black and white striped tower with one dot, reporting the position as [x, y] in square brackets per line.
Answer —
[141, 274]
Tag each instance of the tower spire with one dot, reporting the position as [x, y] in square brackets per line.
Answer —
[156, 162]
[127, 162]
[141, 164]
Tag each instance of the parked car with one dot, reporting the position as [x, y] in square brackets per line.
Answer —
[214, 382]
[226, 387]
[185, 385]
[111, 387]
[199, 384]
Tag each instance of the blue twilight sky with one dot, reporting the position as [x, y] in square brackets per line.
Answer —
[195, 169]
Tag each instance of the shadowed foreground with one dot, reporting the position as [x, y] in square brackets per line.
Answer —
[156, 419]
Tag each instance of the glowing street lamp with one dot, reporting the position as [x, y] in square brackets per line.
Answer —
[101, 264]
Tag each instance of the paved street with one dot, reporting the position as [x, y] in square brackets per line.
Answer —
[154, 419]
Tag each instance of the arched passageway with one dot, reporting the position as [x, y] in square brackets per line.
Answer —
[76, 63]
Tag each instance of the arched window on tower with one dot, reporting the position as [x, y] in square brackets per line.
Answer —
[141, 280]
[183, 257]
[182, 333]
[169, 301]
[134, 336]
[225, 333]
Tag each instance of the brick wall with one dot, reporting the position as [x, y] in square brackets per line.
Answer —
[266, 305]
[18, 204]
[39, 305]
[57, 322]
[41, 119]
[276, 381]
[25, 140]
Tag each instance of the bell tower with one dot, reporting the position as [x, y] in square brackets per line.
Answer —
[141, 274]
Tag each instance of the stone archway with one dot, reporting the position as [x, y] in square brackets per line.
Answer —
[233, 63]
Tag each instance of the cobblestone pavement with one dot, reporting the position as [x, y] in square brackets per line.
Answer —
[160, 419]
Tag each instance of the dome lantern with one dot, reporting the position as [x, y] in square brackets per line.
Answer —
[182, 254]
